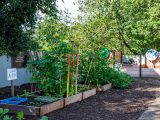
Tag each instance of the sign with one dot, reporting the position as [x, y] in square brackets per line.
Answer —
[151, 54]
[12, 74]
[19, 61]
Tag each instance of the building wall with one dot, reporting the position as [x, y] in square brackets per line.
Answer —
[23, 74]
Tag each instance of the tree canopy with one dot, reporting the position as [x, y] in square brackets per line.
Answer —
[130, 26]
[17, 18]
[126, 25]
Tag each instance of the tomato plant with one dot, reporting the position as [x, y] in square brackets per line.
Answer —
[51, 70]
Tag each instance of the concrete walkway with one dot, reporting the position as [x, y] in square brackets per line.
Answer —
[146, 72]
[153, 111]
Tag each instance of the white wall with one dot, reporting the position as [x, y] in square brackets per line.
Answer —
[23, 74]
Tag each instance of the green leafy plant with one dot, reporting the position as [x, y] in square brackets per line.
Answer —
[51, 70]
[26, 93]
[46, 99]
[35, 103]
[96, 71]
[93, 69]
[3, 114]
[84, 88]
[121, 80]
[6, 117]
[20, 115]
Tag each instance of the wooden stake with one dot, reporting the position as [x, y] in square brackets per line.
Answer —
[12, 88]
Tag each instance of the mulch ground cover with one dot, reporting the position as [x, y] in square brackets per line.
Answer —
[115, 104]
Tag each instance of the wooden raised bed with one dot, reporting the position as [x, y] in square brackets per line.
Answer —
[44, 109]
[104, 87]
[73, 99]
[51, 107]
[31, 110]
[88, 93]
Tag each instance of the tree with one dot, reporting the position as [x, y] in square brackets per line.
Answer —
[50, 32]
[17, 18]
[130, 24]
[93, 35]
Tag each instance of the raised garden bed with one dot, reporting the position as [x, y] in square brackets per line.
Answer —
[73, 99]
[88, 93]
[38, 108]
[37, 111]
[104, 87]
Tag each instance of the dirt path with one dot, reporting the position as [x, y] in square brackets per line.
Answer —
[115, 104]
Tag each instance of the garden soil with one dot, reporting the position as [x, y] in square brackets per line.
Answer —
[114, 104]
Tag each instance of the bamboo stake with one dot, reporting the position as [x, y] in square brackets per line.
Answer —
[68, 76]
[76, 73]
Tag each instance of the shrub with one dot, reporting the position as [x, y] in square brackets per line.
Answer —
[96, 71]
[93, 69]
[120, 79]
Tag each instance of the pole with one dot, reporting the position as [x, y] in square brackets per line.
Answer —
[121, 57]
[113, 59]
[140, 68]
[68, 76]
[12, 88]
[72, 74]
[76, 73]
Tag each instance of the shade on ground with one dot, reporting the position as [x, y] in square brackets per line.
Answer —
[146, 72]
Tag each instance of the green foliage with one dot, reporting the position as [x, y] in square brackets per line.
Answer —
[83, 88]
[51, 70]
[25, 94]
[44, 118]
[96, 71]
[46, 99]
[126, 25]
[50, 32]
[3, 114]
[20, 115]
[17, 18]
[6, 117]
[120, 80]
[92, 36]
[35, 103]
